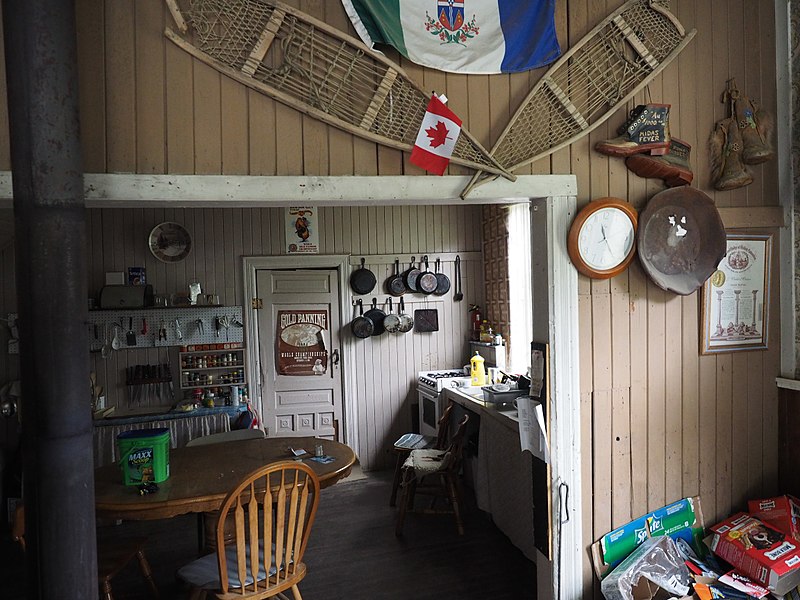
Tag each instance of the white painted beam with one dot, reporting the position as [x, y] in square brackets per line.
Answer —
[124, 190]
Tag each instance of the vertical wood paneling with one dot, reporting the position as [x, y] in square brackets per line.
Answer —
[207, 119]
[673, 393]
[656, 404]
[179, 110]
[639, 379]
[89, 18]
[150, 86]
[233, 107]
[120, 87]
[147, 106]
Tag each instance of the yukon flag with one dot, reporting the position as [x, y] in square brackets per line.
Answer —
[461, 36]
[437, 137]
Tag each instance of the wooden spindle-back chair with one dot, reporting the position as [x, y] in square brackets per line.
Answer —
[273, 509]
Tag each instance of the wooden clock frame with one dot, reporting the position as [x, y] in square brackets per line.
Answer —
[581, 218]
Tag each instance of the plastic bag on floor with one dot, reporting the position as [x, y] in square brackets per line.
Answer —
[656, 563]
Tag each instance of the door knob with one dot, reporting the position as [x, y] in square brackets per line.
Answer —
[335, 357]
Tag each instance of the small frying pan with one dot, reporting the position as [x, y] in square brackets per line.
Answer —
[392, 321]
[426, 282]
[442, 281]
[410, 276]
[406, 322]
[362, 280]
[376, 315]
[395, 285]
[362, 326]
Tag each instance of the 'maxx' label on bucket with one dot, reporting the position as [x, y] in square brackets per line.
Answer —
[140, 464]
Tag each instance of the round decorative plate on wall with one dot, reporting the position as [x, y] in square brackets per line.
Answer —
[170, 242]
[601, 239]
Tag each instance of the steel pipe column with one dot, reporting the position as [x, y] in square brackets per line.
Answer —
[50, 229]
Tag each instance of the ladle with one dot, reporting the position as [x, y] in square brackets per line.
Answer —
[115, 343]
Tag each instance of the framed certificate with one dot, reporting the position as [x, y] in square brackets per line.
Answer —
[735, 299]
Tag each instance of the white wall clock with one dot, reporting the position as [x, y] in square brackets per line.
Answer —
[601, 239]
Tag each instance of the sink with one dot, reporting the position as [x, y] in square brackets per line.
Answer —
[472, 390]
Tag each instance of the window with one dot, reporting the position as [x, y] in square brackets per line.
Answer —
[519, 287]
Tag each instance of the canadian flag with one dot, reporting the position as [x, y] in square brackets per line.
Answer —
[437, 137]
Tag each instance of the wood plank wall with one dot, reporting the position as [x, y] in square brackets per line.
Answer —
[659, 421]
[386, 367]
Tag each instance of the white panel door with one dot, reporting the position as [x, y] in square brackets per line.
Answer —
[299, 351]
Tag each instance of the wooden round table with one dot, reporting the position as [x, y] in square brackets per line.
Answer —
[201, 476]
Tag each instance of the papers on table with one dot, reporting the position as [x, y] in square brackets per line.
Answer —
[532, 428]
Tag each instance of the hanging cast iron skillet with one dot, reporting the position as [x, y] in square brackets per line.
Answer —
[410, 277]
[427, 282]
[681, 239]
[406, 322]
[362, 326]
[391, 322]
[395, 285]
[376, 315]
[362, 280]
[442, 281]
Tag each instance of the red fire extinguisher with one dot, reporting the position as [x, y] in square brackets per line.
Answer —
[475, 320]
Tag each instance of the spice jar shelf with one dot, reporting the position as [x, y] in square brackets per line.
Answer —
[226, 371]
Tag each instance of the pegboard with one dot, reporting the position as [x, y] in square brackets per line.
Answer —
[106, 322]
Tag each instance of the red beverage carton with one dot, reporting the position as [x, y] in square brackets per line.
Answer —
[759, 551]
[782, 513]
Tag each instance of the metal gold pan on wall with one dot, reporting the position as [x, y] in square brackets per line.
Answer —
[681, 239]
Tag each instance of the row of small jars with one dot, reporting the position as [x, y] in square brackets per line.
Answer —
[228, 377]
[205, 361]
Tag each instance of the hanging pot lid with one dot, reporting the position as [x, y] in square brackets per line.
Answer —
[681, 239]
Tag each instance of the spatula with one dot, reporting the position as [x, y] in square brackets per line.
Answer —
[130, 337]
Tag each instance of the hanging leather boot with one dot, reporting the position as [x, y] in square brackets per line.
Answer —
[673, 167]
[647, 130]
[728, 172]
[756, 127]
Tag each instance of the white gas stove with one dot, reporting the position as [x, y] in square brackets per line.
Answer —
[429, 386]
[436, 381]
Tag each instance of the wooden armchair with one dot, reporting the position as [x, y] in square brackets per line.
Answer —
[111, 559]
[435, 473]
[410, 441]
[266, 556]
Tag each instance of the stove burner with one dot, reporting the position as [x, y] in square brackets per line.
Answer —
[445, 374]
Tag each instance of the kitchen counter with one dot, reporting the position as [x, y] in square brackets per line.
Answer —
[471, 398]
[502, 473]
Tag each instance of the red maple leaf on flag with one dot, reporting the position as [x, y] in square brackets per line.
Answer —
[438, 134]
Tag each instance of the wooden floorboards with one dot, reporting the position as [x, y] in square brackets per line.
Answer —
[353, 553]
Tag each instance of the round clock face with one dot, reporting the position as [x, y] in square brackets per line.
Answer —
[602, 238]
[605, 239]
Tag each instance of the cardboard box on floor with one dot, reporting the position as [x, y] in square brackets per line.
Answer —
[759, 551]
[647, 590]
[681, 519]
[781, 512]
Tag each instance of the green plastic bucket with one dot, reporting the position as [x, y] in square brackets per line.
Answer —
[144, 455]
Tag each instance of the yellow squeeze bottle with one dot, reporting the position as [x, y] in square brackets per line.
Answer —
[478, 372]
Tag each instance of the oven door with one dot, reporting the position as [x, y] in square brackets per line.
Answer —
[429, 412]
